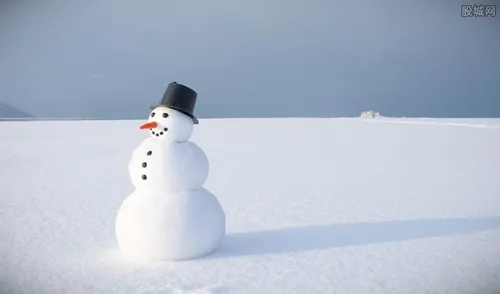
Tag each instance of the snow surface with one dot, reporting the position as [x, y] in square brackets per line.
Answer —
[312, 206]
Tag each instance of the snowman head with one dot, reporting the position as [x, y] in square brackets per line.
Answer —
[167, 124]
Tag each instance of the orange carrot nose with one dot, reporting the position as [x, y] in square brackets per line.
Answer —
[149, 125]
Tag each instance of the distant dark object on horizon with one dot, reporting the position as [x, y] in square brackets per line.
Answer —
[7, 111]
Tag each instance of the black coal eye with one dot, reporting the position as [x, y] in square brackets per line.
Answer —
[165, 115]
[152, 114]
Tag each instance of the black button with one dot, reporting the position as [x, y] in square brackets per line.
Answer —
[144, 164]
[161, 133]
[157, 135]
[154, 132]
[165, 129]
[144, 177]
[149, 153]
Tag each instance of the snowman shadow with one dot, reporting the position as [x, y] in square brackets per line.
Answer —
[321, 237]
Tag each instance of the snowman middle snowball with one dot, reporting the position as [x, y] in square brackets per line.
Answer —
[167, 161]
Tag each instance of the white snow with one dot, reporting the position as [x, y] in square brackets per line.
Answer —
[312, 206]
[369, 114]
[150, 152]
[171, 167]
[173, 226]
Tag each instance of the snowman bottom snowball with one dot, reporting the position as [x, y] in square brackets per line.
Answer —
[178, 226]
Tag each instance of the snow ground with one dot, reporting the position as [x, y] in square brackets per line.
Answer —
[313, 206]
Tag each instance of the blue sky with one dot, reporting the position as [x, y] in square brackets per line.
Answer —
[250, 58]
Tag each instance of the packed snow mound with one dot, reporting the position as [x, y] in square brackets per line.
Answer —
[174, 226]
[369, 114]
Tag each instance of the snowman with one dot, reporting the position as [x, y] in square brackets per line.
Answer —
[170, 216]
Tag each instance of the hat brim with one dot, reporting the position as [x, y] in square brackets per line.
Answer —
[195, 120]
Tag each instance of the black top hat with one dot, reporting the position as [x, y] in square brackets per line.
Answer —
[180, 98]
